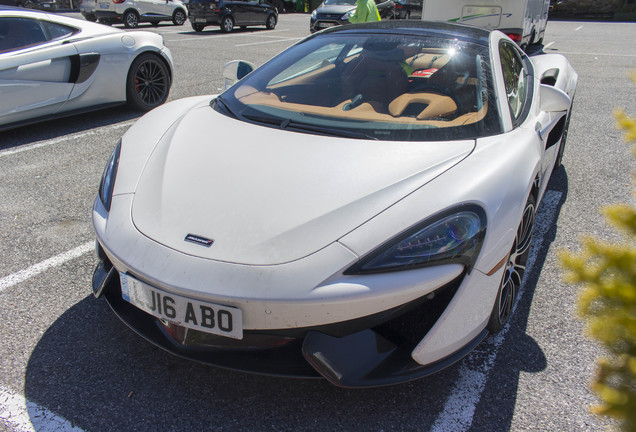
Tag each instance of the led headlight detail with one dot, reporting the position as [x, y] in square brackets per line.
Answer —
[108, 178]
[455, 236]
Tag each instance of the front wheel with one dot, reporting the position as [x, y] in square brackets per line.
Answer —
[179, 17]
[131, 20]
[271, 22]
[227, 25]
[515, 268]
[148, 82]
[197, 27]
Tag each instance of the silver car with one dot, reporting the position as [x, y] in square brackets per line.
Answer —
[52, 66]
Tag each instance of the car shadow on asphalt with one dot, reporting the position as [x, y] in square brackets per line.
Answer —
[52, 129]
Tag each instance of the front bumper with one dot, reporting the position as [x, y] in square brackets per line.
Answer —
[370, 351]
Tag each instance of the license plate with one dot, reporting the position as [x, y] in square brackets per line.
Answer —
[104, 6]
[325, 25]
[194, 314]
[200, 20]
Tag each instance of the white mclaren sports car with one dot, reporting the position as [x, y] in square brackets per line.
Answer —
[362, 210]
[53, 66]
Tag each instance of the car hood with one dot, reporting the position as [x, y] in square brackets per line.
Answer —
[335, 9]
[267, 196]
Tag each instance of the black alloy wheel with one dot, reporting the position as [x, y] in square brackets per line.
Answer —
[148, 82]
[131, 20]
[227, 24]
[515, 268]
[179, 17]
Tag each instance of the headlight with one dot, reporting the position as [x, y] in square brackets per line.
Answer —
[454, 236]
[346, 16]
[314, 14]
[108, 178]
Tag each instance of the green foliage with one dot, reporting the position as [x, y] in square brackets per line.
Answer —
[607, 303]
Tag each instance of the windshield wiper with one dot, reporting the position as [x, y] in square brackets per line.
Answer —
[319, 130]
[218, 100]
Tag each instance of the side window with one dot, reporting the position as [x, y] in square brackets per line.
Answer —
[57, 31]
[16, 33]
[515, 79]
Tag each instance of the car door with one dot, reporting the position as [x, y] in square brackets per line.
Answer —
[259, 11]
[519, 84]
[158, 8]
[240, 11]
[35, 68]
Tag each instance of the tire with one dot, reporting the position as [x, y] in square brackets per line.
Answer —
[131, 19]
[271, 22]
[179, 17]
[227, 24]
[148, 82]
[154, 23]
[515, 268]
[105, 22]
[91, 18]
[197, 27]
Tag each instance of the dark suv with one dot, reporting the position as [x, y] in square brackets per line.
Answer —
[229, 14]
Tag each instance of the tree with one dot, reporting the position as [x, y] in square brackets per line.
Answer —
[608, 303]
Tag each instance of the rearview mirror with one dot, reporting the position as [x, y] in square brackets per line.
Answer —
[234, 71]
[551, 99]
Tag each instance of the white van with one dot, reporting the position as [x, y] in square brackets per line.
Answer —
[523, 20]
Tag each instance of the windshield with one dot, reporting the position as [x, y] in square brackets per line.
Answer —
[379, 86]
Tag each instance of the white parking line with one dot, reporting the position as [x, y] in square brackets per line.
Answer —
[22, 275]
[23, 415]
[460, 407]
[64, 138]
[578, 28]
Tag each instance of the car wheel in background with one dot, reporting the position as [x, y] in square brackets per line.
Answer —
[154, 23]
[148, 82]
[515, 268]
[271, 22]
[91, 18]
[179, 17]
[131, 19]
[197, 27]
[227, 24]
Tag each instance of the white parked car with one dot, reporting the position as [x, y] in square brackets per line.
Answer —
[53, 66]
[132, 12]
[362, 211]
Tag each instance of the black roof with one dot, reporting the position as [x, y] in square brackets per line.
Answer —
[423, 28]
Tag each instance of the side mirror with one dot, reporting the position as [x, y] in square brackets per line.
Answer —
[551, 99]
[234, 71]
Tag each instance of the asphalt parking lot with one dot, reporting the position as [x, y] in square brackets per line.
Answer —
[68, 364]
